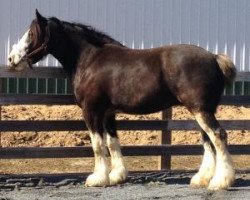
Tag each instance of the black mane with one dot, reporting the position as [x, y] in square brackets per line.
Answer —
[89, 33]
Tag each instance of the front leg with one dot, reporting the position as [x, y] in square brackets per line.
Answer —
[118, 172]
[100, 176]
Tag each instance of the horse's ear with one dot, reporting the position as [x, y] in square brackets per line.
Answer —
[42, 21]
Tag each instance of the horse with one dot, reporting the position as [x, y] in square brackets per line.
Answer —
[108, 77]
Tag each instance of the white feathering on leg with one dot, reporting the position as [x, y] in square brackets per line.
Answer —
[224, 172]
[100, 177]
[118, 173]
[224, 175]
[207, 168]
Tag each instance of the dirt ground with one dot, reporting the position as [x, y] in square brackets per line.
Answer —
[73, 138]
[139, 186]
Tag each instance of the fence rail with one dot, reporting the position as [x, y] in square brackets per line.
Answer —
[165, 150]
[58, 72]
[149, 150]
[143, 125]
[51, 99]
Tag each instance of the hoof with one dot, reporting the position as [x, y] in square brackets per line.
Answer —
[221, 182]
[97, 179]
[199, 182]
[118, 175]
[224, 176]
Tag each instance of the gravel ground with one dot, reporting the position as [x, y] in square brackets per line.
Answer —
[154, 185]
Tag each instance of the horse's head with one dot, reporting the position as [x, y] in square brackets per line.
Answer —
[33, 46]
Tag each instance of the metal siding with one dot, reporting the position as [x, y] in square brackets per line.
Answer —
[167, 22]
[194, 22]
[218, 26]
[157, 19]
[247, 35]
[139, 24]
[185, 21]
[119, 21]
[240, 36]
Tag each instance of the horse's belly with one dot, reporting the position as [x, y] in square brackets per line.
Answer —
[148, 105]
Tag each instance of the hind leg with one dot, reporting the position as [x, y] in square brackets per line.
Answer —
[207, 168]
[118, 172]
[224, 175]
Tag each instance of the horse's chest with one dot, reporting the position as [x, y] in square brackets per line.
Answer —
[84, 85]
[78, 85]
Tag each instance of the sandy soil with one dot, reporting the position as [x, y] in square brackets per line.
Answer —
[140, 186]
[72, 138]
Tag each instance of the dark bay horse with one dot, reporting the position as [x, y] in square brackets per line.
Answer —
[108, 78]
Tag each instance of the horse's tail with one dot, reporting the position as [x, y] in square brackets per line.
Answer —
[227, 67]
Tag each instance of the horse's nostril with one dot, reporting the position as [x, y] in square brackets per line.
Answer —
[10, 59]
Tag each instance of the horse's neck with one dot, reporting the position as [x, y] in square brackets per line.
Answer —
[70, 55]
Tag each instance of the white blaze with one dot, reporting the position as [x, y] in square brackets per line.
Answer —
[19, 50]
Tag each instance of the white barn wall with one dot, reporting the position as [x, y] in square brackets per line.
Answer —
[217, 25]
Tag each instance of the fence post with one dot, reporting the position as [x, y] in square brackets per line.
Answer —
[1, 81]
[0, 121]
[164, 162]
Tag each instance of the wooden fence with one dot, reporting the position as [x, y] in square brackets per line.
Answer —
[164, 150]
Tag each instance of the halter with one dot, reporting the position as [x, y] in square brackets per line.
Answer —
[43, 49]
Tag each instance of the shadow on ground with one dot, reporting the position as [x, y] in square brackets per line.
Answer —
[10, 182]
